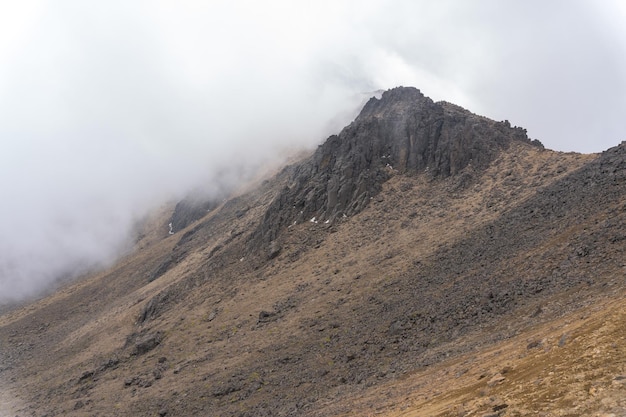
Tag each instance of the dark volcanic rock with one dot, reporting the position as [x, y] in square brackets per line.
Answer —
[403, 132]
[189, 210]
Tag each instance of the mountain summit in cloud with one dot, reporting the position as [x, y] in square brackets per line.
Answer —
[402, 132]
[422, 243]
[98, 126]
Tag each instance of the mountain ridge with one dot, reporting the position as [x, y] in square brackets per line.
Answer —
[439, 258]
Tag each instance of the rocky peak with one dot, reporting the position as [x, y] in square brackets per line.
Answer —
[403, 132]
[394, 104]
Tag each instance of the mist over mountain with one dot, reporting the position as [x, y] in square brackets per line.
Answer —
[78, 207]
[107, 111]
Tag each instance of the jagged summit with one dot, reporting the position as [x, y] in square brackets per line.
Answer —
[394, 102]
[402, 132]
[419, 134]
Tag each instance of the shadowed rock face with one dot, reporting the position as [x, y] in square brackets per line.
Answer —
[402, 132]
[189, 210]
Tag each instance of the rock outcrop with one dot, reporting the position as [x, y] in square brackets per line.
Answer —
[191, 209]
[402, 132]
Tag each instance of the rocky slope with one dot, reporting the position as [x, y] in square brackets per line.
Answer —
[421, 262]
[403, 132]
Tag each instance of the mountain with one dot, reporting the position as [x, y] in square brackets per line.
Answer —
[425, 261]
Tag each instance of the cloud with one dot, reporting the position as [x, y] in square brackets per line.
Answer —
[109, 108]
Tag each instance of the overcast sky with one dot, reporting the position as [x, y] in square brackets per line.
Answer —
[108, 108]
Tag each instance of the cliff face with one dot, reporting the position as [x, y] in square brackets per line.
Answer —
[402, 132]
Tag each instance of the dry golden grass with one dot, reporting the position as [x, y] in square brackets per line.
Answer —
[572, 366]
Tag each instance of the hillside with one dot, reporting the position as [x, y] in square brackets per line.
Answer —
[425, 261]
